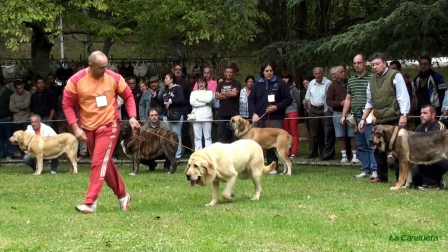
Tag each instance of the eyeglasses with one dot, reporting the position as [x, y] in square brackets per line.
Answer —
[178, 69]
[268, 71]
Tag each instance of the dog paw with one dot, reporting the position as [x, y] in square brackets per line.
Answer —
[228, 197]
[210, 204]
[255, 198]
[394, 188]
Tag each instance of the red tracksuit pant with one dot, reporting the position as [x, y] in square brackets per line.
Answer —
[101, 143]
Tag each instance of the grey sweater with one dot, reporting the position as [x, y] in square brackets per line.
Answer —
[19, 105]
[296, 102]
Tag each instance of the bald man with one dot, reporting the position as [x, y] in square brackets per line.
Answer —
[93, 91]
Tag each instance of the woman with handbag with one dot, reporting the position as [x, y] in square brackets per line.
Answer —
[172, 99]
[201, 115]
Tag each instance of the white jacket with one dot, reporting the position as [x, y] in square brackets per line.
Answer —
[201, 101]
[45, 130]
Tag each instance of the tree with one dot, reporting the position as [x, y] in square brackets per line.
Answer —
[36, 22]
[225, 24]
[401, 29]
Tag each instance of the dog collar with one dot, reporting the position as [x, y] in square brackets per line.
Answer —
[393, 138]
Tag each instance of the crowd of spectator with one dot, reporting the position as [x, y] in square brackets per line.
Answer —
[205, 103]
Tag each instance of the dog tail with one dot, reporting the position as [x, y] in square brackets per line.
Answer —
[270, 167]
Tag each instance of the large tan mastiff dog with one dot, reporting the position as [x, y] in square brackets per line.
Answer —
[267, 138]
[242, 159]
[47, 147]
[410, 148]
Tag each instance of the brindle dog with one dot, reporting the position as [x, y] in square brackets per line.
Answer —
[410, 148]
[146, 144]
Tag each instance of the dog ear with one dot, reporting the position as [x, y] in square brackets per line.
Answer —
[242, 124]
[209, 167]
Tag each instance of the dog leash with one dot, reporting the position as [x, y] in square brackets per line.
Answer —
[258, 119]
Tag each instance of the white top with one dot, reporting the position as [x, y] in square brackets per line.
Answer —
[201, 101]
[317, 92]
[45, 130]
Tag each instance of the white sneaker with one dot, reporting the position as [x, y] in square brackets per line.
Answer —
[374, 175]
[344, 160]
[355, 161]
[362, 175]
[86, 208]
[124, 202]
[273, 172]
[53, 172]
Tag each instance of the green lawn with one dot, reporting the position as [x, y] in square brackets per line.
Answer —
[316, 209]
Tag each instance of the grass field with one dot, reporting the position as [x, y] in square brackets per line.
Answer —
[316, 209]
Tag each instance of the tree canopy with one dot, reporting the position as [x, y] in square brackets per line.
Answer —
[401, 29]
[296, 33]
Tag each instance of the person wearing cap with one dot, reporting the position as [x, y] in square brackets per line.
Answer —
[147, 101]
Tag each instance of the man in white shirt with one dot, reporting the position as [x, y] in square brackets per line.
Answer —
[40, 129]
[316, 104]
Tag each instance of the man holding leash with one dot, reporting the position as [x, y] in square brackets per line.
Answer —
[388, 96]
[93, 91]
[267, 102]
[429, 176]
[40, 129]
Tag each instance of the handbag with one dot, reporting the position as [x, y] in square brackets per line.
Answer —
[172, 115]
[191, 116]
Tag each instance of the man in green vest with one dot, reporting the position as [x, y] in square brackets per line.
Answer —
[388, 97]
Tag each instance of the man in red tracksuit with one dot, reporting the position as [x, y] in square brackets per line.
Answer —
[93, 91]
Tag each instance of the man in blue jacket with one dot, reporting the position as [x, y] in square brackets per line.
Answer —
[267, 102]
[429, 85]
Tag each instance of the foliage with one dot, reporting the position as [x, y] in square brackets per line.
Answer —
[175, 22]
[316, 209]
[401, 29]
[16, 17]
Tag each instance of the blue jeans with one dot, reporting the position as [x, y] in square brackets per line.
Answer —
[6, 131]
[365, 153]
[31, 162]
[176, 127]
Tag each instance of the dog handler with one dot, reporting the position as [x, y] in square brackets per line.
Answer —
[93, 91]
[40, 129]
[387, 94]
[429, 176]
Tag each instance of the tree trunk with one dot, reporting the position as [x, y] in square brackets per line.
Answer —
[40, 52]
[108, 42]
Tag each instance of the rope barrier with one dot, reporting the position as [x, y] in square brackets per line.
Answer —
[294, 118]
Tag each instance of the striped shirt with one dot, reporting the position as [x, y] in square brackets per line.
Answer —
[356, 88]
